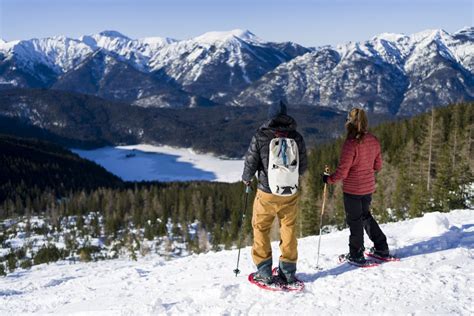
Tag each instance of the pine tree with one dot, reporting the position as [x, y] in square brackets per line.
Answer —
[418, 200]
[339, 216]
[308, 206]
[379, 208]
[149, 232]
[203, 240]
[11, 261]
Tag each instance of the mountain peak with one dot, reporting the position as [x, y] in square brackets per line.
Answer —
[213, 37]
[430, 34]
[157, 41]
[113, 34]
[466, 31]
[391, 37]
[107, 38]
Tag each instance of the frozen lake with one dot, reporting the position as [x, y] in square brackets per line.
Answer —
[163, 163]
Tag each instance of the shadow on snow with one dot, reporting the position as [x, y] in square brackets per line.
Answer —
[455, 237]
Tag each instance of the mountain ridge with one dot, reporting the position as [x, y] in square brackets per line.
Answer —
[390, 73]
[378, 75]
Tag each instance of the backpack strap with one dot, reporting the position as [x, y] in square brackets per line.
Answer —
[283, 151]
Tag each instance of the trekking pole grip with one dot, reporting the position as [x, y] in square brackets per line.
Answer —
[326, 169]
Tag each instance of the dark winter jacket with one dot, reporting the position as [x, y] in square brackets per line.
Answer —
[256, 159]
[358, 164]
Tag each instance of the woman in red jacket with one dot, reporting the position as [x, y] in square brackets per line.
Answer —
[360, 159]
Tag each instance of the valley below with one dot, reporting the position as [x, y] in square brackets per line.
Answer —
[163, 163]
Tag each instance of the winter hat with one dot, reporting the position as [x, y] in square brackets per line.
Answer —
[276, 109]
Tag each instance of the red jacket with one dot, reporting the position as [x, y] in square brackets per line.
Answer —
[357, 165]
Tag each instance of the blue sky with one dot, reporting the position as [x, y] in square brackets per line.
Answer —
[308, 22]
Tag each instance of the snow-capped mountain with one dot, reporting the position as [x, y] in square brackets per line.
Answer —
[110, 77]
[211, 65]
[38, 62]
[217, 64]
[391, 73]
[154, 71]
[137, 52]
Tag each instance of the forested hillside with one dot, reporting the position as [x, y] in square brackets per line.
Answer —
[29, 168]
[72, 119]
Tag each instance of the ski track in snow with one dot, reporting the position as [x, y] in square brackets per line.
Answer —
[435, 275]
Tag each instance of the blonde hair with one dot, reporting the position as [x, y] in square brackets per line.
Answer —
[356, 124]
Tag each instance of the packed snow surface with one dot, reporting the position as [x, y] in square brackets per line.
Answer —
[435, 276]
[163, 163]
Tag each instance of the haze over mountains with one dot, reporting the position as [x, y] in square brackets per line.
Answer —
[391, 73]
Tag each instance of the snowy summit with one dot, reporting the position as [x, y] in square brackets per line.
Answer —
[216, 37]
[112, 34]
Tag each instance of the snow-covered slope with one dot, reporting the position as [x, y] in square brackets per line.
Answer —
[435, 276]
[59, 53]
[113, 78]
[38, 62]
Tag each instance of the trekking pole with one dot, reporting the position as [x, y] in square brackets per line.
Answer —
[326, 172]
[247, 191]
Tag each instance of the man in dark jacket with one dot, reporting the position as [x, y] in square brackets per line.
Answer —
[267, 205]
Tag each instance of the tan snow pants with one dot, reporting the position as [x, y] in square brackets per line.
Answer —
[265, 207]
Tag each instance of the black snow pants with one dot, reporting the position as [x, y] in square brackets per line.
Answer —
[358, 217]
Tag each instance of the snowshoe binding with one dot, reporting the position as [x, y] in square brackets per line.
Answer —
[266, 283]
[275, 282]
[360, 262]
[380, 255]
[293, 285]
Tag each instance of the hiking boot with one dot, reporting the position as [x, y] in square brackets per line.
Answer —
[380, 253]
[290, 283]
[295, 284]
[286, 271]
[264, 269]
[279, 277]
[360, 260]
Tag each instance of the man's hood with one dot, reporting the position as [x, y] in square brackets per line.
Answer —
[282, 122]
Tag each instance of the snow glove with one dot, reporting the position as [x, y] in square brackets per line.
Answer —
[325, 177]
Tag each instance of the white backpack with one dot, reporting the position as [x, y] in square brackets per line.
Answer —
[283, 166]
